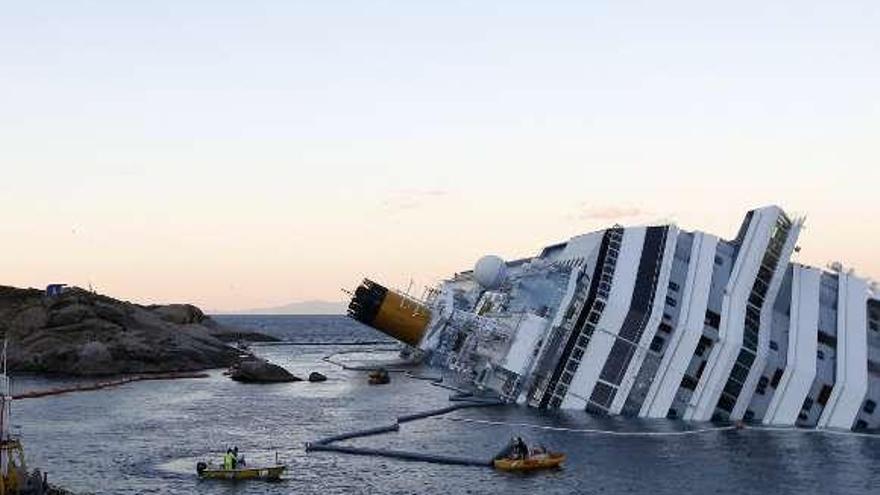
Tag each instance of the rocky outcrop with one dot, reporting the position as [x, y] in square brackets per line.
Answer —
[260, 371]
[83, 333]
[182, 314]
[317, 377]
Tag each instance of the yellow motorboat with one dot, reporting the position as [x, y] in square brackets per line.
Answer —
[266, 473]
[531, 463]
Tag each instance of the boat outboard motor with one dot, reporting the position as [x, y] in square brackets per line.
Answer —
[201, 466]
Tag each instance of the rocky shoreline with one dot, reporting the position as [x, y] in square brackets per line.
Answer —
[82, 333]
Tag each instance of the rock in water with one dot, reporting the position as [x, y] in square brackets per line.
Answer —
[317, 377]
[261, 371]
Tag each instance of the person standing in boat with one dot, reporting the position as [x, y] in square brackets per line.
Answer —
[229, 460]
[239, 458]
[520, 450]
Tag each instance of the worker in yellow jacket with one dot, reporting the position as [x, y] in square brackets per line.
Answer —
[229, 460]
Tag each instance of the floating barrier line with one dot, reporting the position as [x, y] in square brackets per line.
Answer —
[324, 444]
[403, 455]
[358, 434]
[87, 387]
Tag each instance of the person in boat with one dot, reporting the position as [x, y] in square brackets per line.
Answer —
[228, 460]
[238, 458]
[517, 449]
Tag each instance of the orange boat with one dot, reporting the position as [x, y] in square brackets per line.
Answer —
[532, 463]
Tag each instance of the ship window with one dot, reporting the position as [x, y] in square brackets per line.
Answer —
[827, 339]
[776, 377]
[598, 305]
[718, 260]
[672, 414]
[664, 327]
[774, 345]
[673, 286]
[861, 425]
[802, 416]
[657, 343]
[670, 301]
[739, 372]
[726, 403]
[566, 377]
[745, 358]
[688, 382]
[713, 319]
[733, 388]
[577, 354]
[701, 369]
[594, 317]
[873, 326]
[666, 316]
[824, 394]
[820, 355]
[602, 394]
[869, 406]
[583, 340]
[808, 403]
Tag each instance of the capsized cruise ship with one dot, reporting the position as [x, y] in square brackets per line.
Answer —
[656, 322]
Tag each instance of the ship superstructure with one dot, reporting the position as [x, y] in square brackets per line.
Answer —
[656, 322]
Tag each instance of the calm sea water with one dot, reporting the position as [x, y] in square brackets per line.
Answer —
[146, 437]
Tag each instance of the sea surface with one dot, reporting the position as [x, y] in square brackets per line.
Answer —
[146, 437]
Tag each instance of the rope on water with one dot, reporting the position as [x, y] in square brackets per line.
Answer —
[824, 431]
[662, 433]
[290, 343]
[590, 430]
[329, 358]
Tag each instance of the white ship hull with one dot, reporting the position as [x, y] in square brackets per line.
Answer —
[657, 322]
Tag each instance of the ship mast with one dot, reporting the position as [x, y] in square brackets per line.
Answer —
[5, 406]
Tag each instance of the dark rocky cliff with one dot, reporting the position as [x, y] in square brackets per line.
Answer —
[82, 333]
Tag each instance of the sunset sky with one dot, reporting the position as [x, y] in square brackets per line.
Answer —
[247, 154]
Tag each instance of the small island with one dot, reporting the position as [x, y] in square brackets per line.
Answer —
[82, 333]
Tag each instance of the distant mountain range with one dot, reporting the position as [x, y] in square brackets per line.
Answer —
[296, 308]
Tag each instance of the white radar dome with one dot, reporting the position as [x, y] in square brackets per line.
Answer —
[490, 272]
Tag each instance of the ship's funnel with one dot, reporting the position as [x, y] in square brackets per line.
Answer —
[389, 312]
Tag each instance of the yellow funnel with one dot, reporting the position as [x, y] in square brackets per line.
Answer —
[389, 312]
